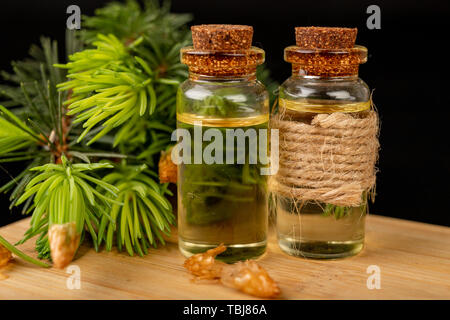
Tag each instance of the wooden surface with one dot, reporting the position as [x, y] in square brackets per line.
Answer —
[414, 261]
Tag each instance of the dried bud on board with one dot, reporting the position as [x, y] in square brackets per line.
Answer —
[250, 278]
[64, 241]
[5, 256]
[204, 265]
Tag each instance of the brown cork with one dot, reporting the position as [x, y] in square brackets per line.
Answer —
[222, 50]
[324, 62]
[325, 37]
[325, 52]
[223, 64]
[222, 37]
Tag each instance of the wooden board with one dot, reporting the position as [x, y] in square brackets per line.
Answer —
[414, 262]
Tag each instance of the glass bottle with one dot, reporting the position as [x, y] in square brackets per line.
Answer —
[328, 146]
[224, 201]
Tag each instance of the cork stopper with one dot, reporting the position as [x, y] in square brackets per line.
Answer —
[325, 52]
[222, 50]
[222, 37]
[325, 37]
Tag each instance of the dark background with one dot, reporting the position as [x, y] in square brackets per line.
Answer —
[406, 65]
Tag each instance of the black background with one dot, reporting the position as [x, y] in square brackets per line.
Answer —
[406, 67]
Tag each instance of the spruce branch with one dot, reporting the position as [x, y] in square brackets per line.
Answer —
[14, 136]
[109, 86]
[156, 56]
[20, 254]
[145, 215]
[118, 102]
[128, 21]
[34, 104]
[65, 193]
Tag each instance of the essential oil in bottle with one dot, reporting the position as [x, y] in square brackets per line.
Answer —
[328, 146]
[224, 201]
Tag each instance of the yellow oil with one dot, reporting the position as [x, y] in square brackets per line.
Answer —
[322, 106]
[217, 122]
[217, 204]
[304, 228]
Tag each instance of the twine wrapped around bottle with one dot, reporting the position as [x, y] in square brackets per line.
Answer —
[332, 160]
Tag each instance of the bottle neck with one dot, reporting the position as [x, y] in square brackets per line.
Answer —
[327, 71]
[353, 77]
[221, 78]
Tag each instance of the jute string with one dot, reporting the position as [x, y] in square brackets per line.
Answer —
[331, 160]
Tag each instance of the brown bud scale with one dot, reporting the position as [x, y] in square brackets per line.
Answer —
[64, 241]
[167, 169]
[5, 256]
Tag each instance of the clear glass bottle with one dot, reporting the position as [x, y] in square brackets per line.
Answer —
[222, 202]
[315, 216]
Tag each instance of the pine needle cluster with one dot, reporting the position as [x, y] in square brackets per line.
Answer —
[89, 132]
